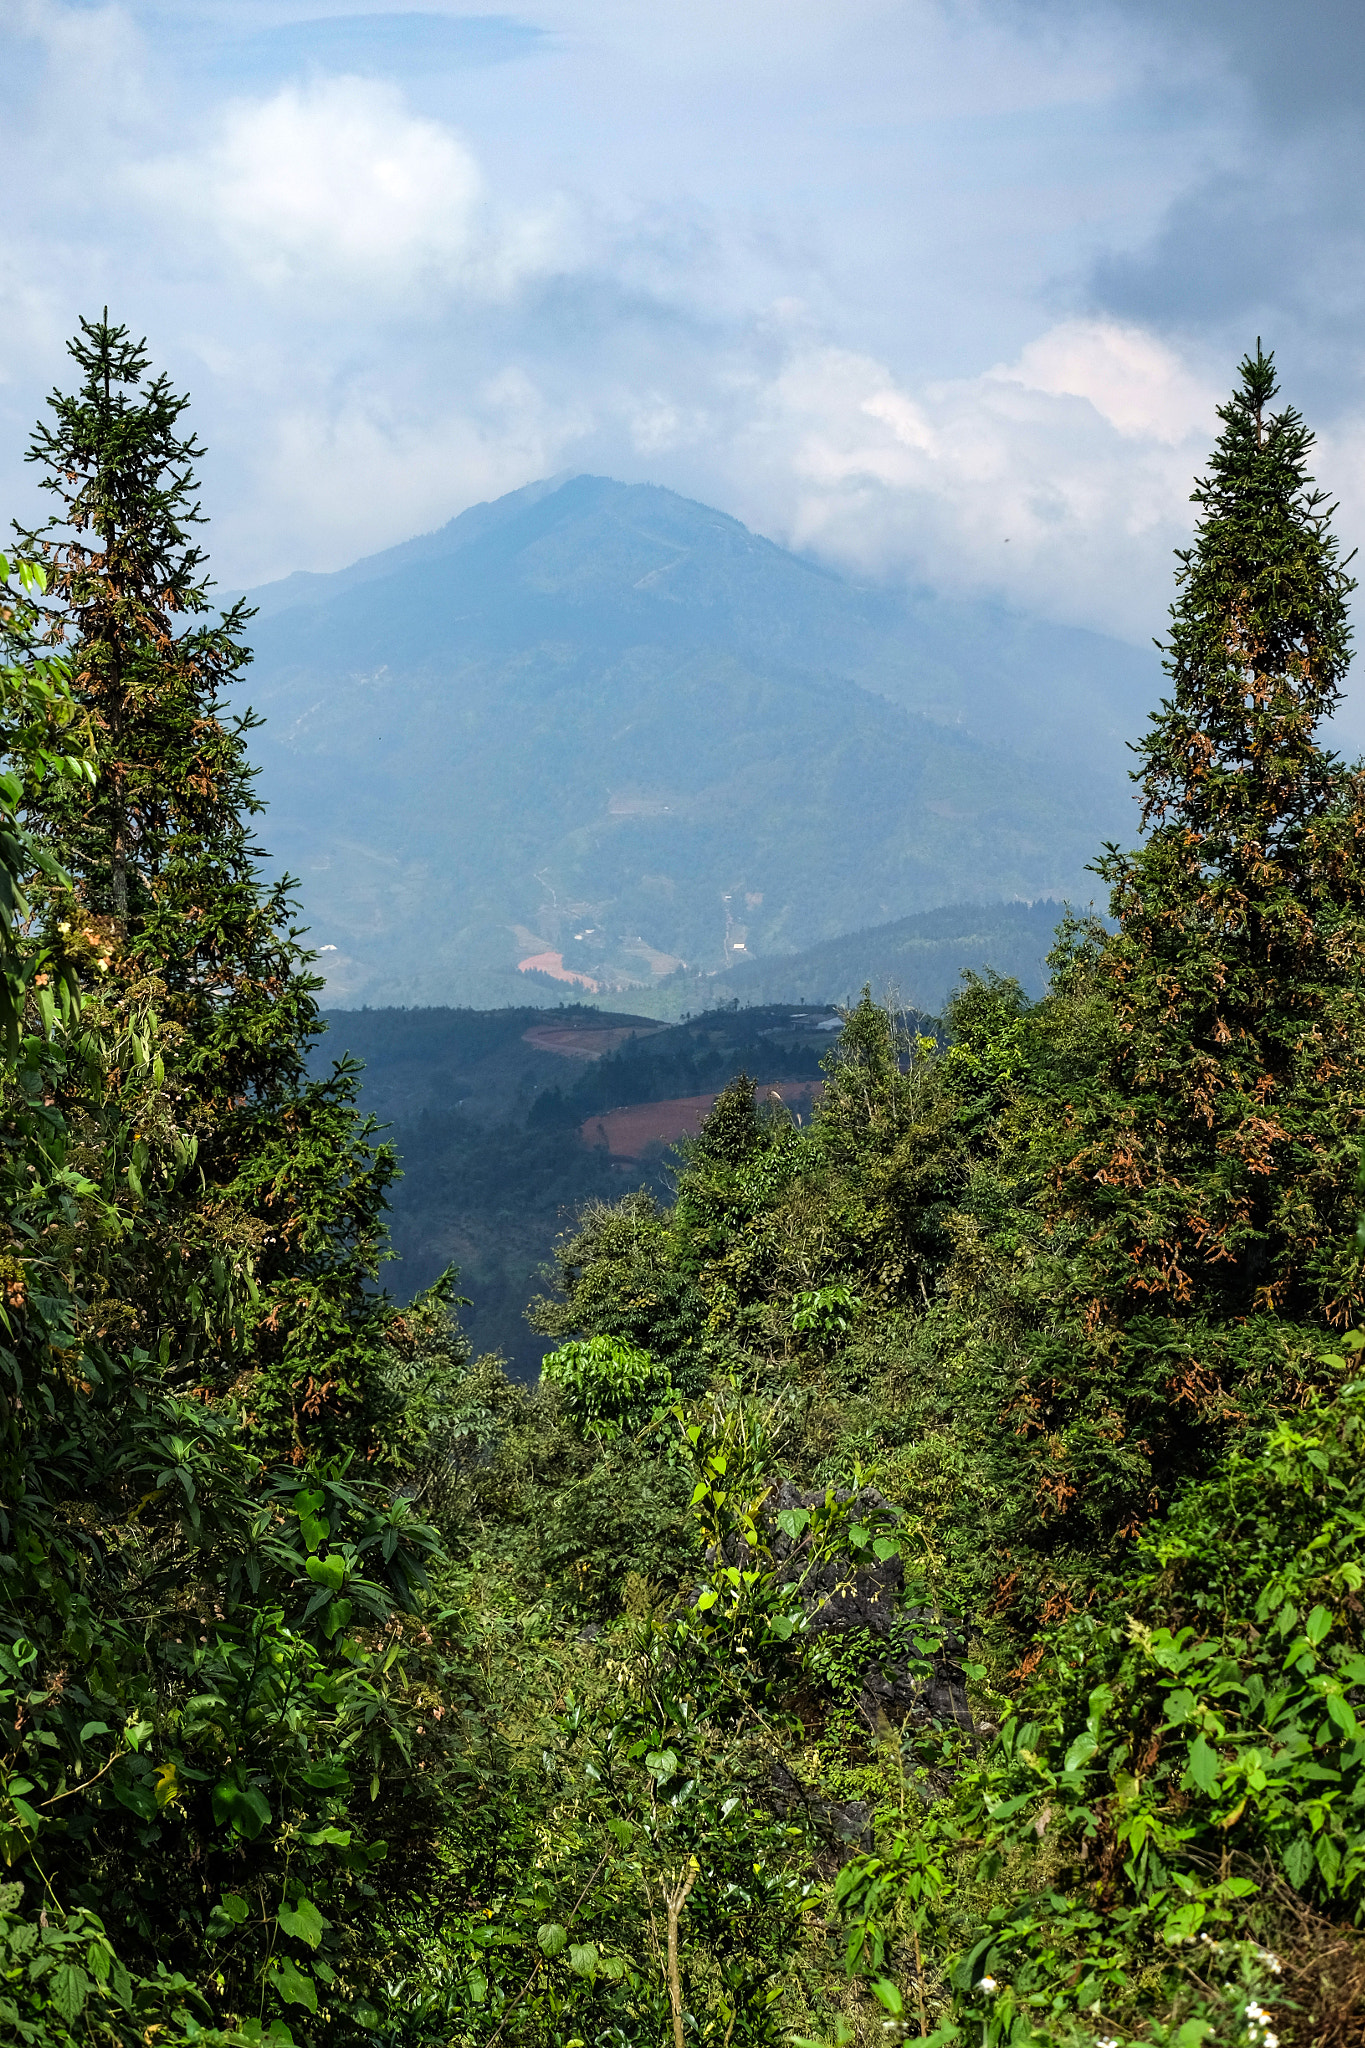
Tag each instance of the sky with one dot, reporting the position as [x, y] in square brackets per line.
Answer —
[944, 291]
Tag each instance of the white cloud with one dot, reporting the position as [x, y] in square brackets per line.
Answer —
[360, 474]
[801, 275]
[336, 185]
[1136, 382]
[1060, 481]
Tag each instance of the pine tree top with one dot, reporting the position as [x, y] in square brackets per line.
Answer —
[124, 474]
[1259, 642]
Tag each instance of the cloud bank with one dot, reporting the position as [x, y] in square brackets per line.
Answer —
[936, 292]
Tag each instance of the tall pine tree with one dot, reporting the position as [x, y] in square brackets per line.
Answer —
[1222, 1172]
[281, 1236]
[1203, 1167]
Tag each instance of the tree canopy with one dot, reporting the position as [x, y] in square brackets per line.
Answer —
[921, 1596]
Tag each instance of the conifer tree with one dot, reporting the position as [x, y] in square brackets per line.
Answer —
[1220, 1159]
[1202, 1164]
[285, 1228]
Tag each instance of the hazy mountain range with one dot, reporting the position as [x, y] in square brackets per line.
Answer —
[607, 730]
[914, 961]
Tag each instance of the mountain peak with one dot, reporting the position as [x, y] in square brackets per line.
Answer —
[601, 724]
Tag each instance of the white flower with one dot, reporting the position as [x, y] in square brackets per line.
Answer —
[1108, 2041]
[989, 1986]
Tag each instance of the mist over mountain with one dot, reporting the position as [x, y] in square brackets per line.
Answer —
[916, 962]
[610, 731]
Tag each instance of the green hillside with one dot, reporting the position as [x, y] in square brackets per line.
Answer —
[920, 1598]
[918, 961]
[601, 722]
[486, 1126]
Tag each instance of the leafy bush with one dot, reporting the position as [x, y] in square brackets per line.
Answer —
[609, 1387]
[628, 1515]
[1172, 1773]
[62, 1985]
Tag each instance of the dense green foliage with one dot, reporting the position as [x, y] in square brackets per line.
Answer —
[922, 1595]
[218, 1679]
[1068, 1287]
[179, 931]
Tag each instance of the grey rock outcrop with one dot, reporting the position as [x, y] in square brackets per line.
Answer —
[841, 1596]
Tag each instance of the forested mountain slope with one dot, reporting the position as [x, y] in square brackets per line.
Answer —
[918, 961]
[488, 1113]
[604, 722]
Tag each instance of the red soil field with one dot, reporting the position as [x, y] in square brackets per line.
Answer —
[588, 1043]
[553, 965]
[627, 1133]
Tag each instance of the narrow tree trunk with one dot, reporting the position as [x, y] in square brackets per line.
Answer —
[118, 877]
[675, 1901]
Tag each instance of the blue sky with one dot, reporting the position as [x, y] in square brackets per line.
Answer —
[944, 290]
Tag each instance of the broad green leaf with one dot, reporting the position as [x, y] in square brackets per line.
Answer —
[1298, 1861]
[327, 1571]
[70, 1988]
[134, 1793]
[303, 1921]
[1317, 1624]
[294, 1986]
[1341, 1712]
[227, 1916]
[551, 1937]
[336, 1618]
[244, 1806]
[582, 1958]
[1203, 1765]
[1080, 1752]
[325, 1776]
[1184, 1923]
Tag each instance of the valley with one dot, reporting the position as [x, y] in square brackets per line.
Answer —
[506, 1123]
